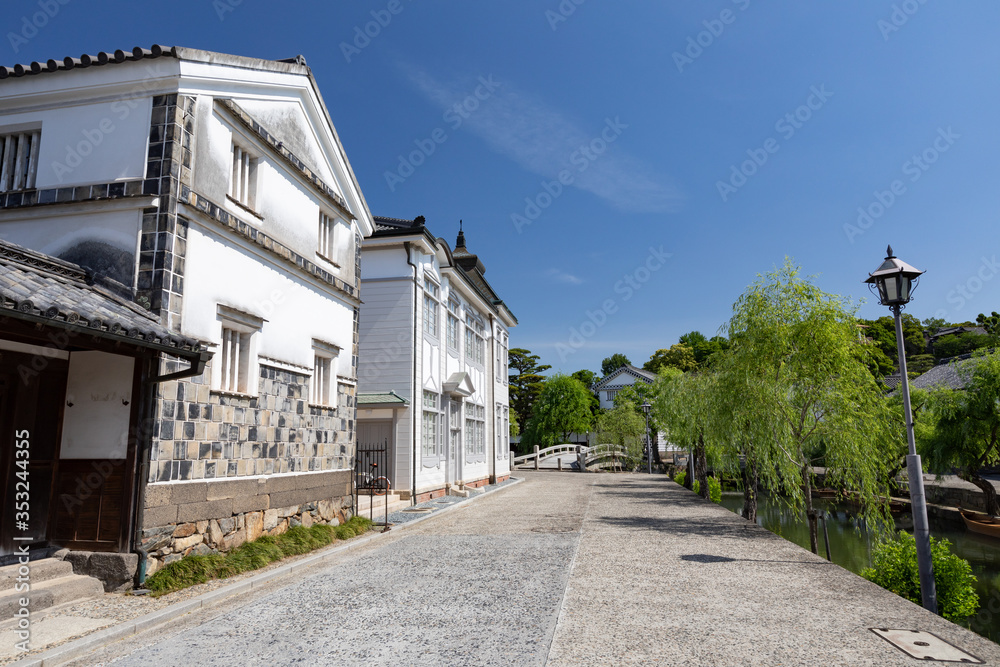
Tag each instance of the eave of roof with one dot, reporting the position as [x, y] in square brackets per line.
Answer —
[381, 398]
[44, 290]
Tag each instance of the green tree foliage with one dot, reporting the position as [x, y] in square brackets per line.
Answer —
[632, 397]
[682, 406]
[991, 323]
[613, 363]
[958, 344]
[515, 426]
[714, 486]
[964, 426]
[622, 426]
[563, 407]
[679, 356]
[796, 383]
[703, 347]
[525, 381]
[894, 568]
[589, 379]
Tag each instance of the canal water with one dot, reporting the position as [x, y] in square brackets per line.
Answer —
[851, 548]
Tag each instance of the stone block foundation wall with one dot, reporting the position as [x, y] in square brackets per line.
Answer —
[183, 518]
[205, 434]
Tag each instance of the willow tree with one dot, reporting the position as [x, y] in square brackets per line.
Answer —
[795, 389]
[681, 404]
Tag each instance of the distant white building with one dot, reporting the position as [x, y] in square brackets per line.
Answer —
[432, 374]
[626, 376]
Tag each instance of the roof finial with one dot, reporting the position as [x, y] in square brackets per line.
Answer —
[889, 254]
[460, 242]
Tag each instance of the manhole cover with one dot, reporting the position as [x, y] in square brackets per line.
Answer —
[417, 510]
[925, 646]
[555, 529]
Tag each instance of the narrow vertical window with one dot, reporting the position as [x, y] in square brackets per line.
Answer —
[242, 184]
[324, 379]
[19, 160]
[430, 308]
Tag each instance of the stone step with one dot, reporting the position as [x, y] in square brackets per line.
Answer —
[38, 571]
[50, 593]
[395, 504]
[378, 501]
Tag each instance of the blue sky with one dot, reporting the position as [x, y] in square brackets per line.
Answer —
[626, 169]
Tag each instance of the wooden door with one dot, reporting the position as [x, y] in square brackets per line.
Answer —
[32, 391]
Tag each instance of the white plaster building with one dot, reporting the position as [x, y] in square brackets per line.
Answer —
[625, 376]
[434, 334]
[204, 204]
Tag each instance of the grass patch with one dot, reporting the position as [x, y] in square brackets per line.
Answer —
[194, 570]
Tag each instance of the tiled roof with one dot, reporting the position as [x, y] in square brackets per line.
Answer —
[139, 53]
[946, 374]
[389, 398]
[102, 58]
[39, 288]
[638, 373]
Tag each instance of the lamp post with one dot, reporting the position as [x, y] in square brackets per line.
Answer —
[894, 281]
[649, 445]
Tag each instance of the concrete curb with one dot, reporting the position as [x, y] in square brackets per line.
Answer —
[80, 647]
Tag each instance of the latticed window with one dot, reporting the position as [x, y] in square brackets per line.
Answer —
[475, 343]
[501, 360]
[430, 442]
[430, 308]
[475, 431]
[19, 160]
[454, 326]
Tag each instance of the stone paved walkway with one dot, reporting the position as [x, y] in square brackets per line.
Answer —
[563, 569]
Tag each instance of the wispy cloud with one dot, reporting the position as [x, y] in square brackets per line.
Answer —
[563, 277]
[542, 140]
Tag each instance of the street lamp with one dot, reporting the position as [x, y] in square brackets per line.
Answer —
[894, 281]
[649, 445]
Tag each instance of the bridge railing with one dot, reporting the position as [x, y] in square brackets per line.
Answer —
[585, 456]
[540, 455]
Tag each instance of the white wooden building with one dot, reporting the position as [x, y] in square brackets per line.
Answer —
[432, 373]
[617, 380]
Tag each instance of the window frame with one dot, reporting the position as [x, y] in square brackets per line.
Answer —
[431, 444]
[323, 384]
[19, 169]
[243, 193]
[475, 338]
[242, 341]
[431, 303]
[475, 433]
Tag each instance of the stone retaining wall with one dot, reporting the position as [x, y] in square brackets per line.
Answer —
[215, 516]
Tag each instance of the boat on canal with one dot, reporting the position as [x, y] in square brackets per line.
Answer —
[982, 524]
